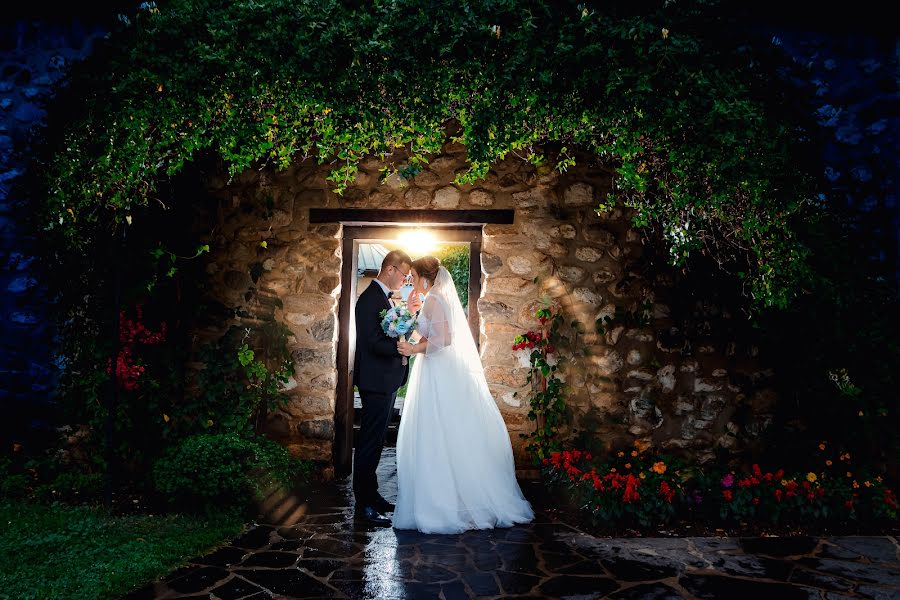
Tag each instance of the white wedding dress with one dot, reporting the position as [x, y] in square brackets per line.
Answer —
[455, 467]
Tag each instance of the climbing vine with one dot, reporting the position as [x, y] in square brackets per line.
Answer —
[547, 397]
[661, 91]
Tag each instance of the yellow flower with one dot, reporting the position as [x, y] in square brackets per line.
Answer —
[165, 417]
[828, 462]
[810, 477]
[665, 33]
[867, 483]
[822, 446]
[879, 479]
[659, 467]
[849, 474]
[784, 482]
[641, 475]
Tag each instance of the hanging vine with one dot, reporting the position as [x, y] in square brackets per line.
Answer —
[661, 91]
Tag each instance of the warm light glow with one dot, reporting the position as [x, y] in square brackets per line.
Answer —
[418, 242]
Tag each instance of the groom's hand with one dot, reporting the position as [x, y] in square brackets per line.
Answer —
[414, 303]
[405, 348]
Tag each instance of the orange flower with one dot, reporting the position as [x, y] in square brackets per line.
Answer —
[855, 486]
[822, 446]
[627, 465]
[828, 462]
[620, 454]
[634, 453]
[810, 477]
[659, 467]
[641, 475]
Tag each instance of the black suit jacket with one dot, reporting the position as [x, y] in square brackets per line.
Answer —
[377, 366]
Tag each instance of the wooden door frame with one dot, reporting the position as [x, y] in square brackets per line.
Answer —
[354, 233]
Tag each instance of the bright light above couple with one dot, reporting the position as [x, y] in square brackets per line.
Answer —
[418, 242]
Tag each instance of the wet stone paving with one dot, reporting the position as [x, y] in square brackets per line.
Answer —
[310, 547]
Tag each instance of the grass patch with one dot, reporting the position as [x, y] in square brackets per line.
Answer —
[61, 551]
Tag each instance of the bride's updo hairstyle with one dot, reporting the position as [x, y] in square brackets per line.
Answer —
[427, 267]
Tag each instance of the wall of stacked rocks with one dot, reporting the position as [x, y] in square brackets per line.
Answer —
[33, 57]
[673, 378]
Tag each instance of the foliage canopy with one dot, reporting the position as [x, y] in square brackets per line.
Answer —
[659, 90]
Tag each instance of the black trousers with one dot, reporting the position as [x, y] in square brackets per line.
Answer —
[377, 408]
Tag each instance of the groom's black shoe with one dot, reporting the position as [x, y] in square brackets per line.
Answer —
[371, 515]
[382, 505]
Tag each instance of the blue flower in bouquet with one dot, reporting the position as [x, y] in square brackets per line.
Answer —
[398, 321]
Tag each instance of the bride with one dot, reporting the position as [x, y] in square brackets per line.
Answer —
[455, 466]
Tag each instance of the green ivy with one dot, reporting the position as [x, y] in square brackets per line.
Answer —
[235, 389]
[662, 92]
[547, 397]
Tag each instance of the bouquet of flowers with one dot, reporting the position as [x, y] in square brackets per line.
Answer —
[398, 322]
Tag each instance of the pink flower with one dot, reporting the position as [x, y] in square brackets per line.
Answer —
[728, 480]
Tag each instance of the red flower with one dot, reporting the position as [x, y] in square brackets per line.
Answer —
[631, 485]
[131, 333]
[666, 492]
[778, 495]
[727, 495]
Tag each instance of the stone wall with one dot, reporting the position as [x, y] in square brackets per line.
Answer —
[671, 381]
[33, 56]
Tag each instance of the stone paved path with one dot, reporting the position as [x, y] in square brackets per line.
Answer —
[311, 548]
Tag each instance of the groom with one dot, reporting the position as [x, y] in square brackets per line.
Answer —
[378, 372]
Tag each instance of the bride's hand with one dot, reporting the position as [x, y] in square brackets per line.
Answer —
[415, 302]
[405, 348]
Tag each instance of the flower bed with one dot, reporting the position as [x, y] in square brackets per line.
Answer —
[640, 489]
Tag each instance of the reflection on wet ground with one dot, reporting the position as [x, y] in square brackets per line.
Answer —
[311, 547]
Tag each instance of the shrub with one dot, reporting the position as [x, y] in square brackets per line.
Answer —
[217, 470]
